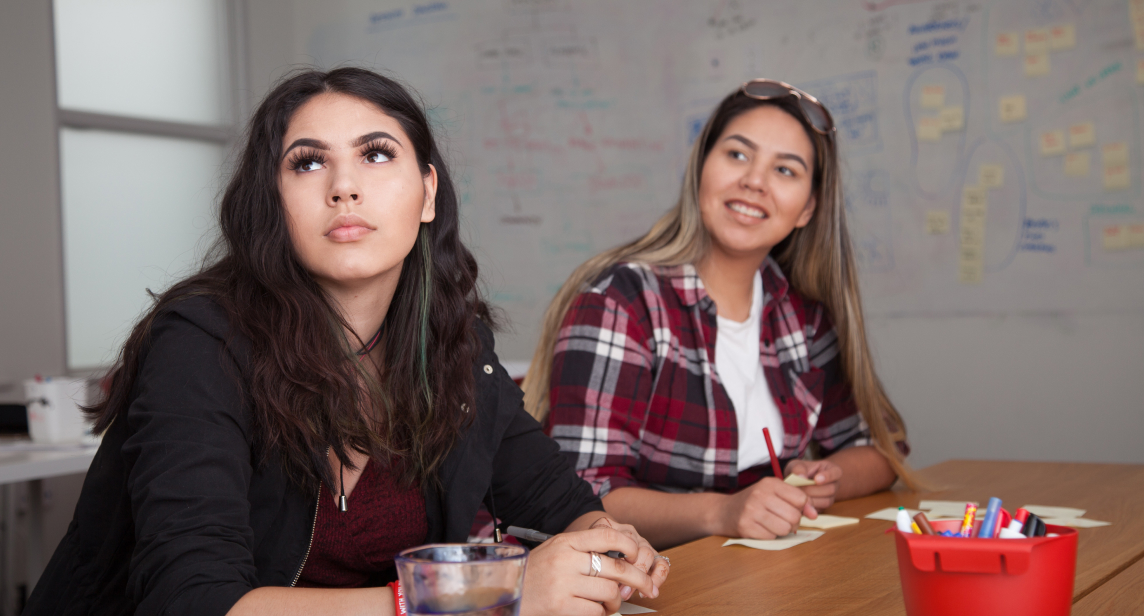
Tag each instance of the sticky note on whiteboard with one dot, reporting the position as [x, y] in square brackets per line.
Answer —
[973, 196]
[1052, 143]
[1037, 41]
[1116, 177]
[1007, 44]
[1140, 72]
[1077, 164]
[1013, 108]
[937, 222]
[1062, 37]
[933, 96]
[1082, 135]
[1116, 237]
[1114, 153]
[1036, 64]
[991, 176]
[929, 128]
[952, 118]
[1136, 235]
[970, 272]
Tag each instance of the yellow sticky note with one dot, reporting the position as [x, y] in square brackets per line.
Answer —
[780, 543]
[970, 273]
[937, 222]
[1052, 143]
[1013, 108]
[798, 481]
[1037, 41]
[929, 128]
[1140, 72]
[991, 176]
[1082, 135]
[952, 118]
[827, 521]
[933, 96]
[1136, 235]
[972, 254]
[1116, 177]
[1062, 37]
[1114, 153]
[1076, 164]
[1036, 64]
[1007, 44]
[974, 196]
[1116, 237]
[972, 236]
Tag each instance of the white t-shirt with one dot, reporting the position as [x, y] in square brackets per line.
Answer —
[737, 362]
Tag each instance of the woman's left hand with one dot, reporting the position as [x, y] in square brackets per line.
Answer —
[825, 475]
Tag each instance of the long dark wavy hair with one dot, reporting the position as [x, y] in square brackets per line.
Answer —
[306, 387]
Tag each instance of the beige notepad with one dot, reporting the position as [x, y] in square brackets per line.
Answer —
[780, 543]
[889, 514]
[1075, 522]
[943, 509]
[798, 481]
[827, 521]
[631, 608]
[1045, 511]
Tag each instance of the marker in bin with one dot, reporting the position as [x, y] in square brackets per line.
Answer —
[536, 536]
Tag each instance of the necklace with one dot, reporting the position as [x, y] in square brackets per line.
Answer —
[372, 341]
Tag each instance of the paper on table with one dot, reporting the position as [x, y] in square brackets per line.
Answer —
[1075, 522]
[889, 514]
[782, 543]
[631, 608]
[798, 481]
[943, 509]
[1055, 512]
[826, 521]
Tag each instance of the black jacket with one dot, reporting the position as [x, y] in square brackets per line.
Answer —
[177, 517]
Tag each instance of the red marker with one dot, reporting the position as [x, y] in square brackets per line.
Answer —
[774, 458]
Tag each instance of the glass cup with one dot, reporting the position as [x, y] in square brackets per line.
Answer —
[483, 579]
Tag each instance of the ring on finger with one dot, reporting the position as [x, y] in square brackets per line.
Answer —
[597, 565]
[665, 559]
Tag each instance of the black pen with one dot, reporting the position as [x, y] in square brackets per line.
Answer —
[536, 536]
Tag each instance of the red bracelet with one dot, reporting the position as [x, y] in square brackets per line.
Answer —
[398, 599]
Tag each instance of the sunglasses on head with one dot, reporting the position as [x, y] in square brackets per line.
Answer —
[814, 111]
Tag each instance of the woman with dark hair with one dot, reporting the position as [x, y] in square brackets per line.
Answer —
[737, 311]
[324, 395]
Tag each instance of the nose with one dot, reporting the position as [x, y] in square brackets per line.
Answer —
[344, 187]
[754, 178]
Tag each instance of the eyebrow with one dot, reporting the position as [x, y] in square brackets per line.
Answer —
[781, 156]
[322, 145]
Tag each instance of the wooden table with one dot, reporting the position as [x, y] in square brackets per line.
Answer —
[854, 569]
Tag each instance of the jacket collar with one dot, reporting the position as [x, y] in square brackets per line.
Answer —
[690, 290]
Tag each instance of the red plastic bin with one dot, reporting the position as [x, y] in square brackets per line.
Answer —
[948, 576]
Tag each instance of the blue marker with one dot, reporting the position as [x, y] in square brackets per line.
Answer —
[990, 521]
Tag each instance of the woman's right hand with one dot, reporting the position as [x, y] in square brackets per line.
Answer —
[558, 579]
[765, 510]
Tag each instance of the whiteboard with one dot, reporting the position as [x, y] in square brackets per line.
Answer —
[568, 124]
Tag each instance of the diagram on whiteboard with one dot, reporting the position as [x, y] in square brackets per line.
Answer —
[992, 150]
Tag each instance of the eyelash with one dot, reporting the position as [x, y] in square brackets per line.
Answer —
[302, 156]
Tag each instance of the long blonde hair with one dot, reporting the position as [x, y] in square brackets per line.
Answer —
[817, 260]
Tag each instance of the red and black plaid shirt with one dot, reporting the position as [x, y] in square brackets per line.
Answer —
[635, 399]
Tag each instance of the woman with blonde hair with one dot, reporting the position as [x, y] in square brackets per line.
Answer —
[662, 360]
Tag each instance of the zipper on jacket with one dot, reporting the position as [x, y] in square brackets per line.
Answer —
[310, 545]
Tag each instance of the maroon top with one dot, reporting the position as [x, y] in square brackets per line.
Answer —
[356, 547]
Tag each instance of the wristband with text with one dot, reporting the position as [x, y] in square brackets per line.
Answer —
[398, 599]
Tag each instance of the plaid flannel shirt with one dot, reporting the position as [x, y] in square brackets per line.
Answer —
[635, 399]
